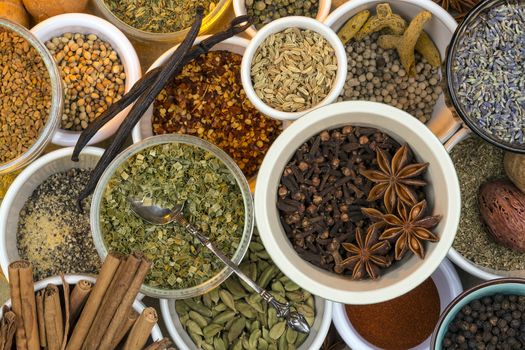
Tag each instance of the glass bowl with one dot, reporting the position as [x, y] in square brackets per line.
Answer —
[211, 18]
[472, 19]
[222, 275]
[57, 101]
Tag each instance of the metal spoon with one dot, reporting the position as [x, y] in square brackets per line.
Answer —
[162, 216]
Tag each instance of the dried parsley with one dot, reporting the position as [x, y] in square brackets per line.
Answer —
[476, 162]
[158, 16]
[174, 173]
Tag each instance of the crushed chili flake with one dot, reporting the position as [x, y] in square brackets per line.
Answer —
[207, 100]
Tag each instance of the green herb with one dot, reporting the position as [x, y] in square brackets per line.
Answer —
[157, 16]
[171, 174]
[233, 312]
[476, 162]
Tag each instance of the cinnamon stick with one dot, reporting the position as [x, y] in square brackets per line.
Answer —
[126, 303]
[106, 275]
[24, 305]
[65, 287]
[7, 329]
[159, 345]
[53, 318]
[40, 318]
[125, 327]
[141, 330]
[111, 302]
[78, 298]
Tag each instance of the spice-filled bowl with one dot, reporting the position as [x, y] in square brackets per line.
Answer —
[489, 101]
[97, 63]
[154, 22]
[500, 301]
[292, 66]
[384, 79]
[184, 107]
[39, 220]
[407, 311]
[263, 13]
[72, 280]
[475, 249]
[344, 132]
[246, 319]
[171, 170]
[30, 113]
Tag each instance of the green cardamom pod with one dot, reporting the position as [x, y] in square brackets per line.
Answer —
[195, 316]
[218, 344]
[277, 330]
[212, 330]
[291, 336]
[254, 337]
[236, 328]
[193, 327]
[227, 299]
[262, 344]
[224, 317]
[201, 309]
[246, 310]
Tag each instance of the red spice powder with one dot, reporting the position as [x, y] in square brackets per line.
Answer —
[401, 323]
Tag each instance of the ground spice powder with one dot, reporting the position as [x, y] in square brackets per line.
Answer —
[401, 323]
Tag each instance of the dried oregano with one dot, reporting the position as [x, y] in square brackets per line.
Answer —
[174, 173]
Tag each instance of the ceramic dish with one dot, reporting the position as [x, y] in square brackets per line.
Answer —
[276, 27]
[448, 285]
[57, 100]
[144, 37]
[498, 286]
[469, 266]
[24, 185]
[440, 28]
[239, 7]
[444, 198]
[138, 306]
[96, 203]
[88, 24]
[183, 341]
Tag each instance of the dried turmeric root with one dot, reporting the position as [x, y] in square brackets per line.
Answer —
[405, 44]
[352, 26]
[383, 19]
[426, 47]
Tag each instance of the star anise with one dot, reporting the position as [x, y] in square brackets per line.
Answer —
[367, 256]
[395, 179]
[410, 228]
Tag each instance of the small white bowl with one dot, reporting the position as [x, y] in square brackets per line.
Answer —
[138, 306]
[24, 185]
[458, 259]
[314, 340]
[440, 28]
[276, 27]
[443, 196]
[88, 24]
[235, 44]
[239, 7]
[448, 285]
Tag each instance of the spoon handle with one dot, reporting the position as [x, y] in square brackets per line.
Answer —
[295, 321]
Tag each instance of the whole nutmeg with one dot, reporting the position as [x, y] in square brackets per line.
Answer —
[515, 168]
[502, 208]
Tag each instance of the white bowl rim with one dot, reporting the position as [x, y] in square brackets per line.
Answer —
[428, 5]
[350, 335]
[239, 8]
[127, 54]
[310, 283]
[174, 334]
[156, 333]
[280, 25]
[136, 134]
[19, 182]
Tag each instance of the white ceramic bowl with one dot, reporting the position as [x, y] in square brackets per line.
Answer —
[88, 24]
[276, 27]
[465, 264]
[138, 306]
[448, 285]
[440, 28]
[443, 196]
[24, 185]
[143, 128]
[183, 341]
[239, 7]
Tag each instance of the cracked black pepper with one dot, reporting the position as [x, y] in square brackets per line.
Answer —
[52, 233]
